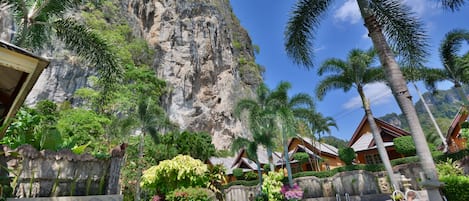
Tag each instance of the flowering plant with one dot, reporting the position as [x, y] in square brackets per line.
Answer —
[292, 193]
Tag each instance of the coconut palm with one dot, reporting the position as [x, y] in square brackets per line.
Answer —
[284, 108]
[261, 119]
[455, 69]
[452, 4]
[387, 21]
[356, 72]
[150, 118]
[251, 150]
[37, 21]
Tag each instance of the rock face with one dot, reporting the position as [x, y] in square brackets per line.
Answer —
[202, 52]
[194, 41]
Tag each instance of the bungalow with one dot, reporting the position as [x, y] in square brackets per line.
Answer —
[322, 156]
[454, 139]
[364, 145]
[19, 71]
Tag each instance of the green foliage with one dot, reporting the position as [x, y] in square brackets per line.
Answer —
[217, 177]
[272, 184]
[249, 176]
[241, 183]
[80, 126]
[238, 173]
[196, 144]
[237, 45]
[449, 168]
[301, 157]
[23, 129]
[405, 160]
[347, 155]
[181, 171]
[456, 187]
[330, 173]
[190, 194]
[405, 145]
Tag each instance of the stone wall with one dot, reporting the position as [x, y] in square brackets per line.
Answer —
[46, 173]
[358, 184]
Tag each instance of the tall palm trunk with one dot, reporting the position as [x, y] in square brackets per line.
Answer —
[404, 99]
[139, 167]
[438, 130]
[271, 159]
[286, 156]
[383, 154]
[259, 174]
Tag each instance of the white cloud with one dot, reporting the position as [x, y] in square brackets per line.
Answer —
[348, 12]
[377, 93]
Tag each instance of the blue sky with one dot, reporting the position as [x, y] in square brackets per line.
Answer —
[341, 30]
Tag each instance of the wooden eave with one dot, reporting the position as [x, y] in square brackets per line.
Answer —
[25, 68]
[310, 147]
[385, 127]
[460, 117]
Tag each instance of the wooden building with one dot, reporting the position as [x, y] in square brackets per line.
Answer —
[322, 156]
[453, 137]
[364, 145]
[19, 71]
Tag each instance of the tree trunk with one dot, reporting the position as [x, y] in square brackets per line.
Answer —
[438, 130]
[271, 159]
[383, 154]
[286, 156]
[139, 167]
[259, 172]
[404, 99]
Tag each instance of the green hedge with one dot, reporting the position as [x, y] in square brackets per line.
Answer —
[241, 182]
[454, 156]
[330, 173]
[410, 159]
[456, 188]
[191, 194]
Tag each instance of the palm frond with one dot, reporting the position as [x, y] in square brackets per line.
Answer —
[403, 29]
[301, 100]
[453, 5]
[330, 83]
[91, 47]
[301, 27]
[239, 143]
[245, 104]
[450, 47]
[332, 65]
[51, 8]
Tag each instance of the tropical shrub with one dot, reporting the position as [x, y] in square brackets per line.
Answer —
[347, 155]
[238, 173]
[181, 171]
[272, 184]
[449, 168]
[301, 157]
[191, 194]
[249, 176]
[456, 187]
[404, 145]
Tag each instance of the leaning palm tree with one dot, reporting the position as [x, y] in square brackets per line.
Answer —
[284, 108]
[260, 120]
[37, 21]
[356, 72]
[388, 22]
[454, 69]
[150, 118]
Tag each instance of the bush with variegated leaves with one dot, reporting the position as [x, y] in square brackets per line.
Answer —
[181, 171]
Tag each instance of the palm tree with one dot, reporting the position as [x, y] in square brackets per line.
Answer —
[356, 72]
[150, 118]
[387, 21]
[455, 70]
[418, 74]
[251, 150]
[36, 21]
[261, 119]
[452, 4]
[285, 108]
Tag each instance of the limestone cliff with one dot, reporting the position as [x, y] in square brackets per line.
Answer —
[199, 45]
[202, 52]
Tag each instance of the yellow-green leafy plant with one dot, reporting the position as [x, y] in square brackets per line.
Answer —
[272, 185]
[181, 171]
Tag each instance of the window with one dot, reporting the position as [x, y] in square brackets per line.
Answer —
[373, 159]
